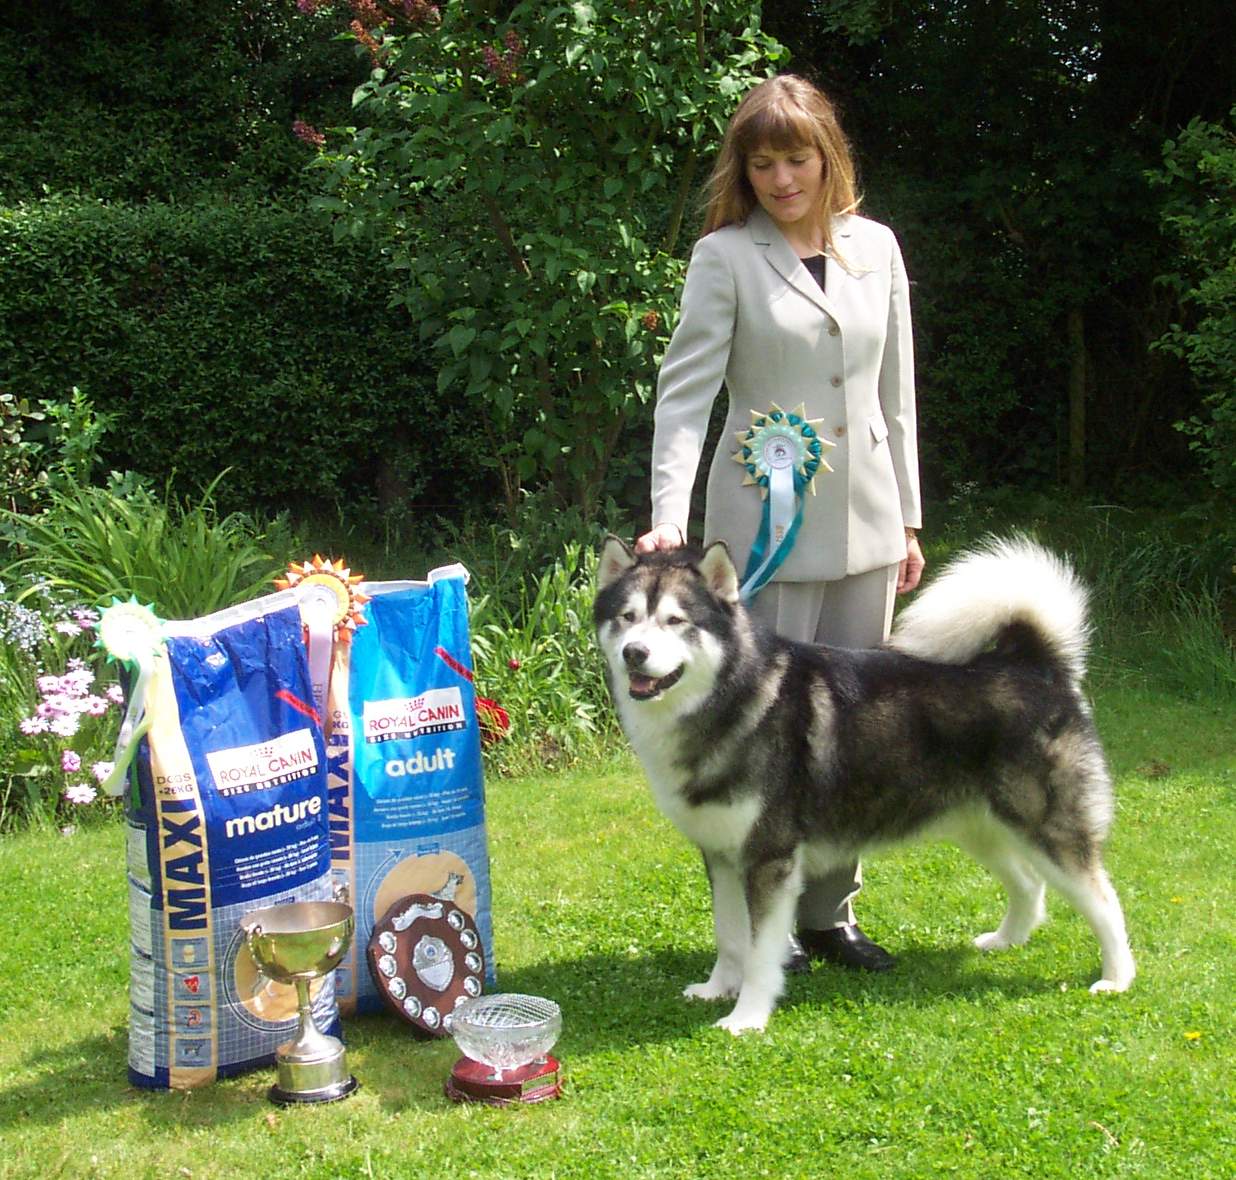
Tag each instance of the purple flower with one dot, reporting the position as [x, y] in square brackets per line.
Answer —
[70, 762]
[80, 793]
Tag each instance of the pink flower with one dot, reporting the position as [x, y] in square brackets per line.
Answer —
[95, 706]
[64, 627]
[32, 725]
[63, 726]
[48, 685]
[101, 770]
[513, 664]
[80, 793]
[308, 134]
[115, 694]
[70, 762]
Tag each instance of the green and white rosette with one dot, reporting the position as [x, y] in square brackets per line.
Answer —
[782, 452]
[131, 634]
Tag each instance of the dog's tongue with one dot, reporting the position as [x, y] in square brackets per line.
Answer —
[642, 685]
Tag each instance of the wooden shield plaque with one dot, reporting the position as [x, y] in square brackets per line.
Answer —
[425, 956]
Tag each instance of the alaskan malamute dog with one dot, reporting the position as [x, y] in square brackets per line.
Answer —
[783, 760]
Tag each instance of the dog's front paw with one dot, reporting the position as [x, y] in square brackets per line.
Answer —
[739, 1022]
[711, 990]
[1104, 986]
[992, 941]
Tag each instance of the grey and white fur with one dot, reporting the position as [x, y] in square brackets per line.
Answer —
[783, 760]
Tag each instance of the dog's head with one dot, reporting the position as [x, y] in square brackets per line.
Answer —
[665, 620]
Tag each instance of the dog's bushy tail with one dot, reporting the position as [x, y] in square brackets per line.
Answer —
[986, 591]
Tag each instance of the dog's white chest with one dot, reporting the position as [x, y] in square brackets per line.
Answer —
[717, 827]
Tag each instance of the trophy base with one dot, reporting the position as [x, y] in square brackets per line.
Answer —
[471, 1081]
[333, 1093]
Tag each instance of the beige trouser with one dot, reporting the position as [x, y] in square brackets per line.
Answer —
[854, 612]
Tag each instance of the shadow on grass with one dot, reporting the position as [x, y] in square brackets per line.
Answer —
[611, 1003]
[615, 1002]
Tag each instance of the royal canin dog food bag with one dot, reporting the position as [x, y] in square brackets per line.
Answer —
[407, 799]
[228, 813]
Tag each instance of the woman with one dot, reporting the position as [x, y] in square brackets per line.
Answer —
[794, 301]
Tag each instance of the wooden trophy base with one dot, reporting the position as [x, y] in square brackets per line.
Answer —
[471, 1081]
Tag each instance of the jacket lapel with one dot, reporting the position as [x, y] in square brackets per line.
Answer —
[781, 257]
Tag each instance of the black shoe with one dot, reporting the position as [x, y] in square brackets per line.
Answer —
[797, 961]
[847, 946]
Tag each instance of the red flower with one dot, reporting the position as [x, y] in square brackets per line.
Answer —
[494, 720]
[513, 664]
[650, 320]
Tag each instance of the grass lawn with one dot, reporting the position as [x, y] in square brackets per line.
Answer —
[953, 1064]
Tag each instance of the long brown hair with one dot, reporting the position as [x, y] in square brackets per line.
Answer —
[783, 113]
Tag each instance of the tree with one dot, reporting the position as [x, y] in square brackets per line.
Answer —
[526, 170]
[1008, 144]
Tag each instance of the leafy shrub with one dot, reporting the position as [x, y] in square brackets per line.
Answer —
[540, 663]
[185, 558]
[229, 333]
[1199, 172]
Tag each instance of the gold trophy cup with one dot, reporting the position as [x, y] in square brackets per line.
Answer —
[298, 943]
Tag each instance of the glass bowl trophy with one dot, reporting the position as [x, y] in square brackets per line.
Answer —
[506, 1041]
[297, 943]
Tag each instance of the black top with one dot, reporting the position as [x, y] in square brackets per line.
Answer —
[815, 265]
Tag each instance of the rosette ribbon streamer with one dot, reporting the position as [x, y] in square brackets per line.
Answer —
[131, 634]
[330, 606]
[782, 452]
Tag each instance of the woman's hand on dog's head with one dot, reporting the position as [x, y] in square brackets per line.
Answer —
[660, 536]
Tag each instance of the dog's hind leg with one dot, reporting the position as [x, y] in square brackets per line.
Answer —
[1092, 895]
[729, 916]
[772, 890]
[1002, 855]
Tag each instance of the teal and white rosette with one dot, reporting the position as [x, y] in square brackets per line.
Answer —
[782, 453]
[131, 634]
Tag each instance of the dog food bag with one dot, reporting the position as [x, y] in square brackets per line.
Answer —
[407, 800]
[228, 813]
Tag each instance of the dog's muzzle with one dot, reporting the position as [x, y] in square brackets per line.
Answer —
[642, 687]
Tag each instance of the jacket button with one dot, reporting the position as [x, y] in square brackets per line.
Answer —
[834, 330]
[836, 381]
[840, 432]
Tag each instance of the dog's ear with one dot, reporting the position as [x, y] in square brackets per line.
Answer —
[717, 570]
[616, 558]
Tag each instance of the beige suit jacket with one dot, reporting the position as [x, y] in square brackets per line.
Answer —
[754, 318]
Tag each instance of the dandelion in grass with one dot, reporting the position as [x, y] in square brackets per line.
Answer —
[80, 793]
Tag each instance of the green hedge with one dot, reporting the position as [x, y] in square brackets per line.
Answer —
[227, 335]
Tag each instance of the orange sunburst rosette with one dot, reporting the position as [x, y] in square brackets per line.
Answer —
[340, 581]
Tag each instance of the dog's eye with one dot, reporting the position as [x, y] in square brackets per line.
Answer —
[628, 616]
[675, 621]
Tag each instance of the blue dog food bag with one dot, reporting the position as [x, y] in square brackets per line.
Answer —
[229, 813]
[407, 799]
